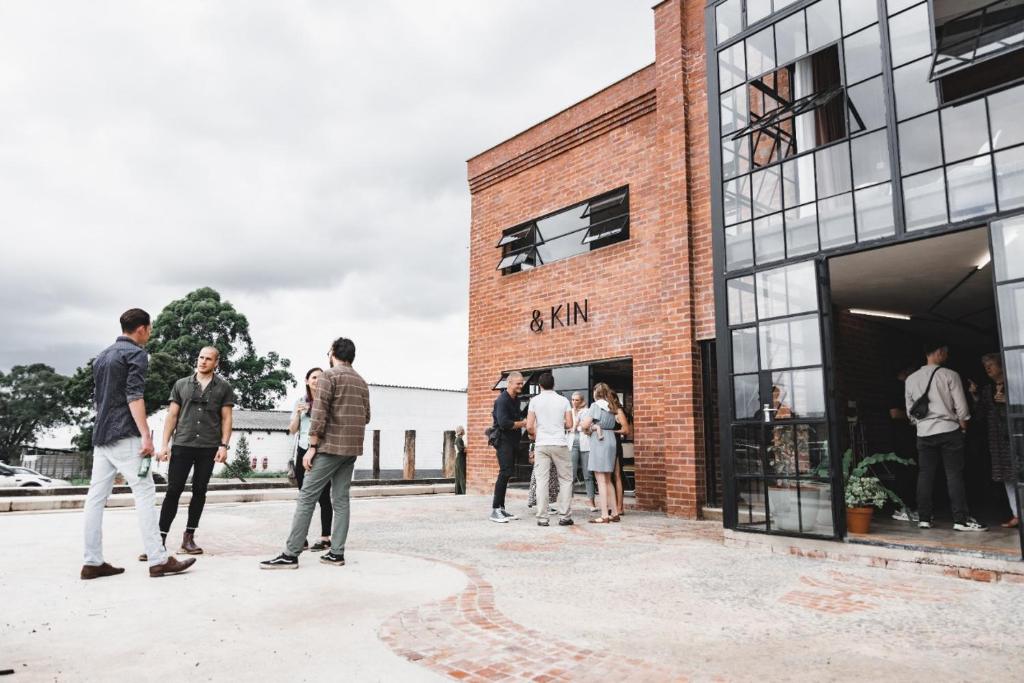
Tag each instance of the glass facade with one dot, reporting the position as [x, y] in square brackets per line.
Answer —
[831, 130]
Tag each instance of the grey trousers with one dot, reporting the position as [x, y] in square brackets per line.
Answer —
[555, 460]
[333, 469]
[580, 459]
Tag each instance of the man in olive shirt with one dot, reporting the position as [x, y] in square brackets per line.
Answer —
[199, 417]
[341, 411]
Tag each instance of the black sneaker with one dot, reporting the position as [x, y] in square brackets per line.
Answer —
[565, 521]
[331, 558]
[542, 521]
[320, 545]
[282, 561]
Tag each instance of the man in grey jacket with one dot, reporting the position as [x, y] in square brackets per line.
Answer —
[940, 435]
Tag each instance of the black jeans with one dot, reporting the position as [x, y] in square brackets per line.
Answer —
[326, 508]
[506, 466]
[948, 449]
[183, 460]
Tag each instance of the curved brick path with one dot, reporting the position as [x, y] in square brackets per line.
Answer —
[466, 637]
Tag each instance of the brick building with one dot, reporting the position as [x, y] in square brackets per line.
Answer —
[750, 238]
[647, 299]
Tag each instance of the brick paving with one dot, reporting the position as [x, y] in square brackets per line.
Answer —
[434, 592]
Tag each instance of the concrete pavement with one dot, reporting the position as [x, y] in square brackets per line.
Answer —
[432, 591]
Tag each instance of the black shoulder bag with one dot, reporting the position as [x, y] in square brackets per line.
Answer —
[919, 410]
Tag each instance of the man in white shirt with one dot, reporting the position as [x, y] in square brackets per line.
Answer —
[547, 420]
[940, 436]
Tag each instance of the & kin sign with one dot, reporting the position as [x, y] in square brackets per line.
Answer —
[562, 315]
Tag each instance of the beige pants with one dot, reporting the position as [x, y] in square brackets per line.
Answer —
[544, 458]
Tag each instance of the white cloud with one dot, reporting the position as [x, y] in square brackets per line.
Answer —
[306, 159]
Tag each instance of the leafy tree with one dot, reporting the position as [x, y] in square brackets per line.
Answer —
[240, 465]
[201, 319]
[180, 332]
[33, 398]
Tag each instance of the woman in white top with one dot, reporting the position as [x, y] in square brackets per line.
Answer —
[578, 442]
[300, 425]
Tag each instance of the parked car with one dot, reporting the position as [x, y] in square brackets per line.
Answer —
[23, 476]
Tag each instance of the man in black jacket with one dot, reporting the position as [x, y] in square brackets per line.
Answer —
[509, 420]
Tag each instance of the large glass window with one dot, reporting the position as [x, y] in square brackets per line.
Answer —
[863, 54]
[910, 35]
[583, 227]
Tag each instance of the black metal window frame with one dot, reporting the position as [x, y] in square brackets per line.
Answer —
[974, 36]
[521, 244]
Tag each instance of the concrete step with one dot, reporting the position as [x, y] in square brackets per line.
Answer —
[38, 503]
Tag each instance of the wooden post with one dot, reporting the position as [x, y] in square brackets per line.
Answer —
[376, 454]
[448, 459]
[409, 462]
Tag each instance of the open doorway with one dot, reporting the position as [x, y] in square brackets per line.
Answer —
[888, 303]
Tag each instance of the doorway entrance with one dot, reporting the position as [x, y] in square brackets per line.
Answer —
[887, 305]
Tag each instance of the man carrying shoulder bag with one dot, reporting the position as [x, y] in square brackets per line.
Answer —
[937, 407]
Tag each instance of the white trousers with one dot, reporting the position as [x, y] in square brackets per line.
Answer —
[548, 460]
[121, 456]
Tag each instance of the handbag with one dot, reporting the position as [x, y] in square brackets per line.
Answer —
[493, 434]
[919, 409]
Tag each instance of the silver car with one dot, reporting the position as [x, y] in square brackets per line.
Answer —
[11, 476]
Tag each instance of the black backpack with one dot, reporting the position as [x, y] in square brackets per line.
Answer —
[919, 410]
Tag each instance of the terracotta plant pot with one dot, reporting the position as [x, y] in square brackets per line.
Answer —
[858, 519]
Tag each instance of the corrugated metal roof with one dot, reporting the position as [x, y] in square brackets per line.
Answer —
[261, 420]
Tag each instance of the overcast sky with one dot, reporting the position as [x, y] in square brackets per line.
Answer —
[305, 159]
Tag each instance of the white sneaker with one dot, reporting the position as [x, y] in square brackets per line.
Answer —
[496, 516]
[905, 515]
[506, 514]
[970, 525]
[924, 525]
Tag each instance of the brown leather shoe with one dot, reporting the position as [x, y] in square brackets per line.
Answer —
[172, 566]
[91, 571]
[143, 557]
[188, 545]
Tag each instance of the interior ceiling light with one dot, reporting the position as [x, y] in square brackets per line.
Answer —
[983, 261]
[879, 314]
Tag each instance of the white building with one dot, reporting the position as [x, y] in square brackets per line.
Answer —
[393, 410]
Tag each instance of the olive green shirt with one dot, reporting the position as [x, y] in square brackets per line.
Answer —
[199, 420]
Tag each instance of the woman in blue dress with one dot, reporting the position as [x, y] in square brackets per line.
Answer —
[606, 413]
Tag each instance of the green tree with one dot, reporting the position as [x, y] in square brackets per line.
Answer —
[201, 319]
[33, 398]
[240, 465]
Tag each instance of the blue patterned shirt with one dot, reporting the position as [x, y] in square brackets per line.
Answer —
[119, 375]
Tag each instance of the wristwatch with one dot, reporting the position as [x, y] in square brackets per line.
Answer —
[226, 446]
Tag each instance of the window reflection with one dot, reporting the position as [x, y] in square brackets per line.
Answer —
[835, 221]
[802, 230]
[739, 246]
[870, 156]
[761, 52]
[822, 23]
[740, 293]
[767, 188]
[915, 94]
[1010, 178]
[920, 144]
[970, 188]
[769, 244]
[863, 54]
[924, 199]
[1006, 109]
[874, 212]
[965, 131]
[801, 392]
[866, 104]
[729, 19]
[832, 165]
[744, 350]
[745, 396]
[791, 38]
[1011, 313]
[857, 14]
[792, 342]
[1008, 248]
[787, 290]
[910, 35]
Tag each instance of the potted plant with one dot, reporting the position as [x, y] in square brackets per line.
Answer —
[865, 492]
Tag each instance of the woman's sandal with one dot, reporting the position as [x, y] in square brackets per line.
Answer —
[598, 520]
[613, 518]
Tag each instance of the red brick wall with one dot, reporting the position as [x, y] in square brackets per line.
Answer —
[650, 297]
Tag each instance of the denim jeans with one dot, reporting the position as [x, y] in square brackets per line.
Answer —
[948, 449]
[335, 470]
[121, 456]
